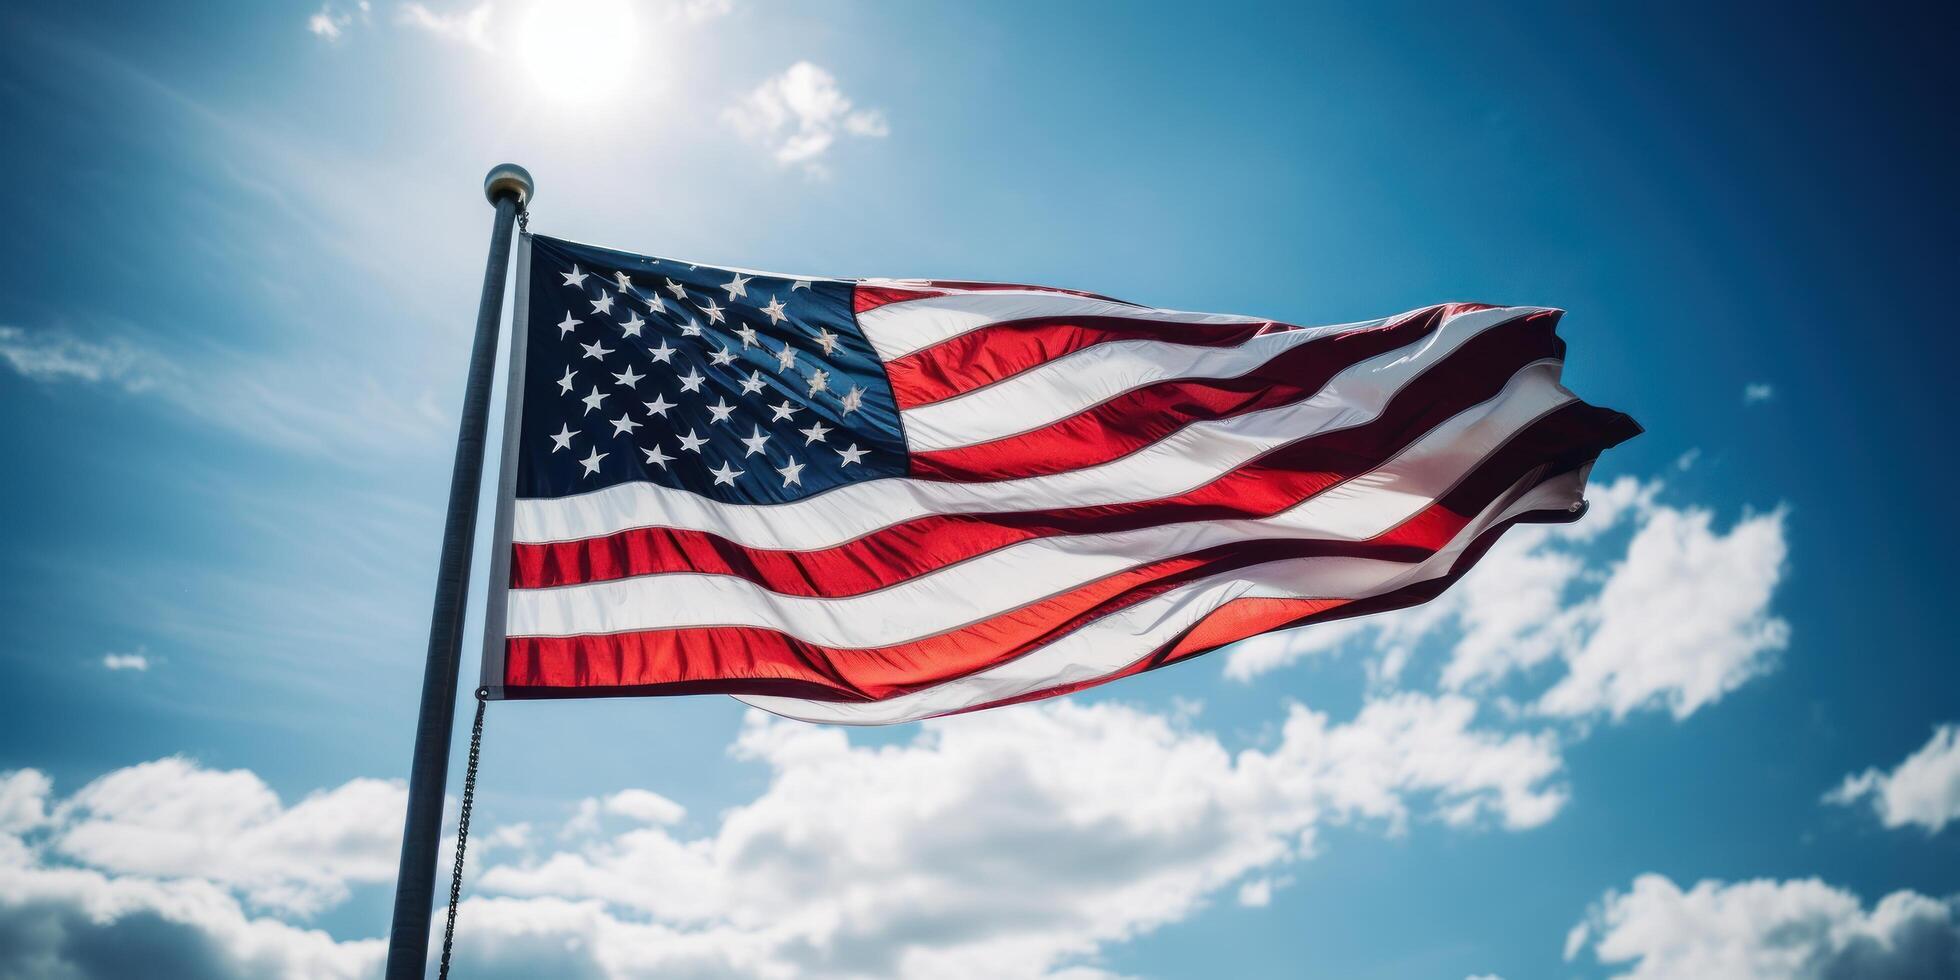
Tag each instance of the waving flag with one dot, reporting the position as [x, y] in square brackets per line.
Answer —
[874, 501]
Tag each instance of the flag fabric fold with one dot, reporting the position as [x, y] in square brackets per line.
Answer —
[875, 501]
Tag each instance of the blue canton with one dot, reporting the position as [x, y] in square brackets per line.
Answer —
[741, 387]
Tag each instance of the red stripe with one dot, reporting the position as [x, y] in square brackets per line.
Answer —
[1001, 350]
[1141, 416]
[644, 661]
[1242, 619]
[1260, 488]
[871, 295]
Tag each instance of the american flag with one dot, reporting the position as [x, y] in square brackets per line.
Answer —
[874, 501]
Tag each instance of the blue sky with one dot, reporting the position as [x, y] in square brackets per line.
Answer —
[243, 253]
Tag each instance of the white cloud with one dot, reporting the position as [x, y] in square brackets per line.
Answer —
[1799, 930]
[1686, 461]
[798, 115]
[1257, 893]
[1680, 619]
[1009, 843]
[55, 356]
[23, 800]
[279, 402]
[1924, 789]
[471, 27]
[174, 819]
[137, 660]
[1757, 392]
[64, 921]
[330, 23]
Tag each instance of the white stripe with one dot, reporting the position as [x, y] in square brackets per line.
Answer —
[1118, 640]
[898, 329]
[1087, 378]
[1030, 571]
[1183, 461]
[1080, 380]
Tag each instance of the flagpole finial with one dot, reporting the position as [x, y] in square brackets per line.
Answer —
[511, 179]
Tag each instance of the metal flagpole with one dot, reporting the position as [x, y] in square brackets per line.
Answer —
[509, 188]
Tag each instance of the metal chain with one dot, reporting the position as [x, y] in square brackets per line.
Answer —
[523, 219]
[462, 833]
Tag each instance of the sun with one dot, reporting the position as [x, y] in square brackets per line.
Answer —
[574, 49]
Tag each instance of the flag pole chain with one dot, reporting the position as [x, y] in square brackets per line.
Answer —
[463, 832]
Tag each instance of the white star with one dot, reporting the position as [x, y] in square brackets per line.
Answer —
[596, 350]
[851, 455]
[629, 379]
[563, 440]
[721, 356]
[574, 278]
[775, 311]
[819, 379]
[755, 441]
[625, 284]
[692, 328]
[853, 399]
[565, 326]
[656, 457]
[591, 463]
[781, 413]
[624, 424]
[679, 291]
[565, 383]
[655, 304]
[799, 284]
[713, 312]
[603, 304]
[691, 443]
[739, 286]
[592, 400]
[747, 333]
[827, 341]
[786, 358]
[814, 433]
[661, 354]
[632, 325]
[726, 474]
[754, 384]
[691, 381]
[658, 406]
[792, 473]
[721, 410]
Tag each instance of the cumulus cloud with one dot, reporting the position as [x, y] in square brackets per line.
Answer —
[1757, 392]
[799, 114]
[1787, 930]
[1676, 621]
[174, 819]
[58, 920]
[1015, 842]
[1924, 789]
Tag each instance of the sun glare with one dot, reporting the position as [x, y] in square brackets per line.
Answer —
[577, 48]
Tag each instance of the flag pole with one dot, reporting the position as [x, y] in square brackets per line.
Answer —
[508, 188]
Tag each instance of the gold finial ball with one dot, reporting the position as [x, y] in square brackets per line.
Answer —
[511, 179]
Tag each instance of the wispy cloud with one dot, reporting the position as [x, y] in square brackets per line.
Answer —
[138, 660]
[471, 27]
[799, 115]
[1757, 392]
[311, 408]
